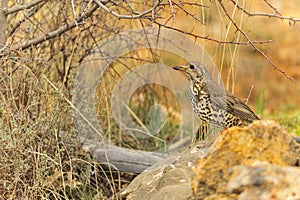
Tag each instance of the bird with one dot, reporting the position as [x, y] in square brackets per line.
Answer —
[211, 102]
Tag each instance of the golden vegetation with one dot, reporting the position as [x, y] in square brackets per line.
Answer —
[41, 155]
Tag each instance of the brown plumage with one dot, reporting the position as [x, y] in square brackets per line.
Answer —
[211, 102]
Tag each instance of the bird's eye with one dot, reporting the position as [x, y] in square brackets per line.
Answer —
[192, 66]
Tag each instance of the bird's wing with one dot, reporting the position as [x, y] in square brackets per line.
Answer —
[226, 101]
[239, 108]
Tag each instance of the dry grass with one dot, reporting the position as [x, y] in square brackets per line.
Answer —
[41, 155]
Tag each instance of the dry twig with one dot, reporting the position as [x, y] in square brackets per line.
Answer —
[251, 43]
[275, 15]
[56, 32]
[210, 38]
[135, 15]
[22, 7]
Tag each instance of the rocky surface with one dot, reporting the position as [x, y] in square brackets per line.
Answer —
[263, 180]
[256, 162]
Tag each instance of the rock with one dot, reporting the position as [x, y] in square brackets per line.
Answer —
[263, 180]
[168, 180]
[253, 162]
[261, 141]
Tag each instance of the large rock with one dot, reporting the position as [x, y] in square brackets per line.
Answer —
[263, 180]
[256, 162]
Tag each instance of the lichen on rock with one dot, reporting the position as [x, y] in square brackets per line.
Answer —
[259, 161]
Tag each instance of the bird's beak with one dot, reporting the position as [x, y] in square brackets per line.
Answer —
[180, 68]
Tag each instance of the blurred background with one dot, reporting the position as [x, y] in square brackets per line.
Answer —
[43, 43]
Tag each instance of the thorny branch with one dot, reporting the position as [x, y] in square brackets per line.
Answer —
[150, 14]
[22, 7]
[252, 43]
[180, 6]
[135, 15]
[275, 15]
[139, 15]
[56, 32]
[210, 38]
[271, 6]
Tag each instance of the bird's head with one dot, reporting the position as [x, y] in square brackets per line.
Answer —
[195, 71]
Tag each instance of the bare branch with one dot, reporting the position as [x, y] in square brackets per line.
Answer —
[271, 6]
[211, 39]
[73, 10]
[172, 9]
[192, 4]
[252, 43]
[54, 33]
[27, 16]
[275, 15]
[135, 15]
[188, 13]
[125, 160]
[131, 8]
[14, 9]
